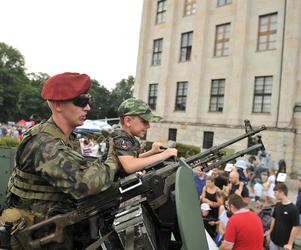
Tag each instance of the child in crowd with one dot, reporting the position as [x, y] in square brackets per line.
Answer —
[268, 187]
[135, 117]
[209, 222]
[222, 217]
[258, 189]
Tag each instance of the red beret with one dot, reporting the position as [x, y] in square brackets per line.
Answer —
[65, 86]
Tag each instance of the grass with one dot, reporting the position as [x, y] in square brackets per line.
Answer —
[297, 247]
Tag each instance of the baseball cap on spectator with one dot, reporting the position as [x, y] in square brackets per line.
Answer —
[136, 107]
[66, 86]
[205, 207]
[241, 164]
[229, 167]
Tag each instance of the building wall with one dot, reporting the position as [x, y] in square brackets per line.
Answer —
[239, 69]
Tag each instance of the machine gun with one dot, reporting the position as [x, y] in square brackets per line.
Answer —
[153, 189]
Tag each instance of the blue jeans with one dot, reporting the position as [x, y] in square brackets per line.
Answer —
[274, 247]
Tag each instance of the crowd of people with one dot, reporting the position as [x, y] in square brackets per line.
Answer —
[15, 130]
[234, 202]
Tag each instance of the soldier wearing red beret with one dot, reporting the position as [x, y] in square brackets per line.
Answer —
[50, 173]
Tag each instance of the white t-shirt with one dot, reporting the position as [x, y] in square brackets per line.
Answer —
[258, 189]
[270, 191]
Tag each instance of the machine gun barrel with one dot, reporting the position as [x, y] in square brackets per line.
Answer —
[229, 158]
[217, 148]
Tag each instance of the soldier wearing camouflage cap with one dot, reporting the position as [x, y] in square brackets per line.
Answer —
[50, 173]
[135, 116]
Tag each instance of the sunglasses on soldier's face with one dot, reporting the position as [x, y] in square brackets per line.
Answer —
[82, 100]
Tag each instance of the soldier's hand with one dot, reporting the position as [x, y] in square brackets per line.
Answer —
[170, 152]
[157, 147]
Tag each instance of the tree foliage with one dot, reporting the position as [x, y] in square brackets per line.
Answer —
[30, 101]
[20, 93]
[101, 101]
[12, 81]
[122, 91]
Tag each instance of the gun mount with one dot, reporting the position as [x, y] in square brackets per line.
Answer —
[153, 190]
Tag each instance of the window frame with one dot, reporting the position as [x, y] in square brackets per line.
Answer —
[152, 95]
[182, 87]
[268, 33]
[218, 95]
[186, 48]
[222, 41]
[161, 14]
[189, 7]
[172, 134]
[208, 138]
[157, 52]
[263, 95]
[226, 2]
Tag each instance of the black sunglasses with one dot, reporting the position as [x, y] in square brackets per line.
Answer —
[82, 100]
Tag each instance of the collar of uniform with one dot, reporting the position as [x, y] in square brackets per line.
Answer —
[60, 134]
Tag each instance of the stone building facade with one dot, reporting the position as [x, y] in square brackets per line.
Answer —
[207, 65]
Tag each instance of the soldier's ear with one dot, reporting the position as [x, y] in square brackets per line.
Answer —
[127, 120]
[55, 106]
[59, 106]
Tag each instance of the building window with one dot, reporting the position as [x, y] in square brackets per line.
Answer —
[172, 134]
[267, 30]
[223, 2]
[161, 11]
[217, 95]
[262, 94]
[189, 7]
[157, 51]
[152, 95]
[222, 40]
[208, 139]
[181, 95]
[186, 46]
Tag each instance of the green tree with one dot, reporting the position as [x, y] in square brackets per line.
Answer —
[122, 91]
[12, 81]
[30, 101]
[100, 103]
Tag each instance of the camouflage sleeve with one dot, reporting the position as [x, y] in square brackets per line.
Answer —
[124, 146]
[70, 171]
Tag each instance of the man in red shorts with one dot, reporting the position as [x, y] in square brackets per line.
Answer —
[244, 229]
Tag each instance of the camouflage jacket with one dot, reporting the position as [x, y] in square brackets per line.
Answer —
[124, 144]
[50, 173]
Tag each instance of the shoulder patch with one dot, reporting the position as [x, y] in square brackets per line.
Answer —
[125, 144]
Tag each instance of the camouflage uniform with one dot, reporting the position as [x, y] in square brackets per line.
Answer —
[50, 173]
[125, 144]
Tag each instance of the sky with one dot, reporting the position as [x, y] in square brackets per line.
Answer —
[96, 37]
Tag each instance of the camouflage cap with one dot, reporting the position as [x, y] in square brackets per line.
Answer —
[136, 107]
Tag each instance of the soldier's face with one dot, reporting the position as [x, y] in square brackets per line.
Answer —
[74, 115]
[138, 126]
